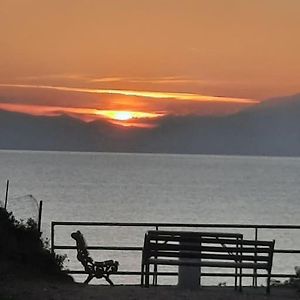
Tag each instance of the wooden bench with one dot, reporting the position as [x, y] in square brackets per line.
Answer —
[93, 268]
[205, 249]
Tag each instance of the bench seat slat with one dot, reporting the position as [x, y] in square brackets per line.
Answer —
[202, 255]
[237, 249]
[203, 240]
[212, 248]
[192, 240]
[206, 263]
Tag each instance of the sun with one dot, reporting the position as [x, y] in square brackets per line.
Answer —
[123, 115]
[129, 118]
[118, 115]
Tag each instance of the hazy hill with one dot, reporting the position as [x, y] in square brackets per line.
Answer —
[271, 128]
[21, 131]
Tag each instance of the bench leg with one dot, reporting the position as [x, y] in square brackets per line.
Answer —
[89, 278]
[235, 278]
[143, 275]
[106, 277]
[147, 275]
[155, 274]
[268, 284]
[241, 278]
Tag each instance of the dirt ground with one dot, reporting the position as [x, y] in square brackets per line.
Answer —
[47, 290]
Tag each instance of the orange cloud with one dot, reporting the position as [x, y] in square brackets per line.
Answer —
[147, 94]
[40, 110]
[117, 106]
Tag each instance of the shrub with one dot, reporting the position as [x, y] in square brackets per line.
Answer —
[21, 243]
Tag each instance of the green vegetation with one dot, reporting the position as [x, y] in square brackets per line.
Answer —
[24, 252]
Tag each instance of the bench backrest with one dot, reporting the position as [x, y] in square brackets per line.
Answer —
[82, 253]
[206, 245]
[258, 251]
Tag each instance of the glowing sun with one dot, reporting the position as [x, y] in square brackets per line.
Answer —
[123, 115]
[128, 118]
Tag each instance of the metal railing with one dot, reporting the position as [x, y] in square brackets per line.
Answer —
[157, 226]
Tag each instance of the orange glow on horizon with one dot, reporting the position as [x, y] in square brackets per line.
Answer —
[127, 115]
[118, 106]
[130, 124]
[116, 117]
[43, 110]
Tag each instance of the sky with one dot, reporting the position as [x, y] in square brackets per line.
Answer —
[134, 61]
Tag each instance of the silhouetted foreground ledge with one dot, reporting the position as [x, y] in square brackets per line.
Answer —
[54, 290]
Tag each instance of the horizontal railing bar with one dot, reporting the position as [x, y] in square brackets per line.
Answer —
[187, 225]
[286, 251]
[100, 248]
[128, 248]
[138, 273]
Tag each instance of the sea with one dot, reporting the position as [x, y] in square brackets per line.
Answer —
[121, 187]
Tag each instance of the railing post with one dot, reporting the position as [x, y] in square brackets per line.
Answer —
[52, 237]
[6, 194]
[155, 266]
[40, 216]
[254, 280]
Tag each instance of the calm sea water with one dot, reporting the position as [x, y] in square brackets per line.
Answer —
[154, 188]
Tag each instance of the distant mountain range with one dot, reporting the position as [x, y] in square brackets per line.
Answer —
[270, 128]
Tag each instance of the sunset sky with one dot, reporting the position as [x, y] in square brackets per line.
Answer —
[123, 60]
